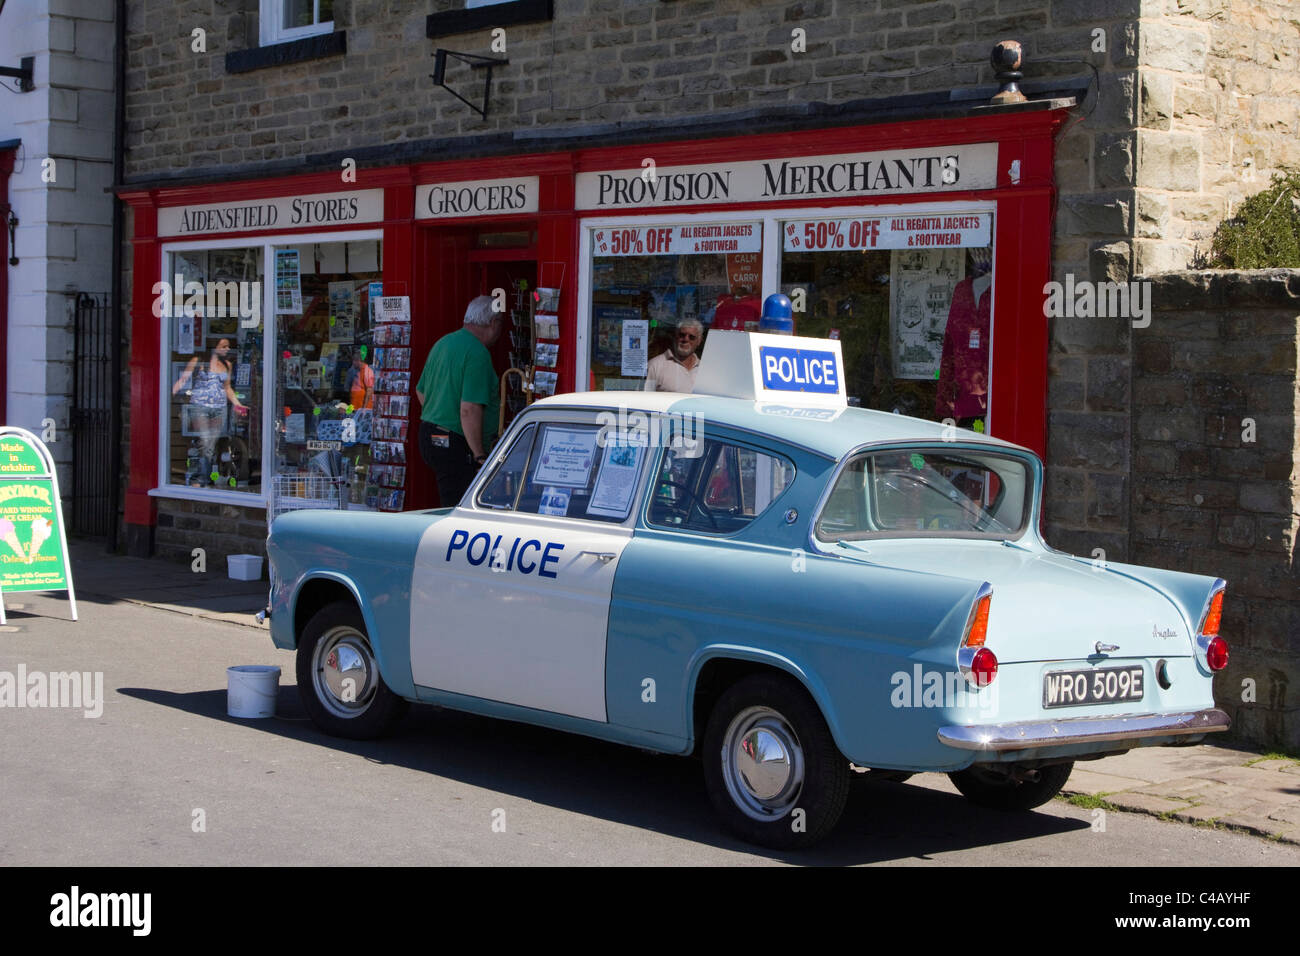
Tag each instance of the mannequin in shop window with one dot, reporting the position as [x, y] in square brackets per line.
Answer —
[964, 370]
[210, 388]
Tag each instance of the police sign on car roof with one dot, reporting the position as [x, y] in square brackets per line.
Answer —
[786, 369]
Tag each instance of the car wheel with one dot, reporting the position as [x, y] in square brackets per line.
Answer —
[997, 789]
[338, 678]
[771, 767]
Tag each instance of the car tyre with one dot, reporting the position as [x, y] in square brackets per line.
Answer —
[990, 787]
[793, 796]
[338, 677]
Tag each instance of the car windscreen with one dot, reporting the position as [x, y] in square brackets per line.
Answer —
[928, 492]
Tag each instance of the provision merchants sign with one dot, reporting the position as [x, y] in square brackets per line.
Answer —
[33, 548]
[891, 172]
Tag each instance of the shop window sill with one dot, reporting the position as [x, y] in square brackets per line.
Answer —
[245, 499]
[451, 22]
[294, 51]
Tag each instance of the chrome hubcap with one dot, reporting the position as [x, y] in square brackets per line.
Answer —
[762, 764]
[344, 672]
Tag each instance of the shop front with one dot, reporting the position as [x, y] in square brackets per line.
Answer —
[923, 248]
[278, 325]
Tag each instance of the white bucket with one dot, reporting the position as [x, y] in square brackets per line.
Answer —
[251, 690]
[244, 567]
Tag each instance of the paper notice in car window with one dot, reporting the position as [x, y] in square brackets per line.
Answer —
[566, 457]
[555, 501]
[616, 483]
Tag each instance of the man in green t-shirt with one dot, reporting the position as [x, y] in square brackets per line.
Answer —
[460, 399]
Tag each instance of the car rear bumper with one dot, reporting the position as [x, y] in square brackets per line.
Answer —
[1034, 734]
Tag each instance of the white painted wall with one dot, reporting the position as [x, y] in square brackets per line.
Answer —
[64, 239]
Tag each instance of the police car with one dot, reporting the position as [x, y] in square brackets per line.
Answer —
[764, 577]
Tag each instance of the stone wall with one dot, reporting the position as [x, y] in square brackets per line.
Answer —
[1216, 472]
[1197, 108]
[220, 530]
[598, 61]
[1218, 115]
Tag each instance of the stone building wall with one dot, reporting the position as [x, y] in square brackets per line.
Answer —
[1216, 472]
[63, 242]
[1196, 111]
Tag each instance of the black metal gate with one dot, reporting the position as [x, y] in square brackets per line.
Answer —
[93, 493]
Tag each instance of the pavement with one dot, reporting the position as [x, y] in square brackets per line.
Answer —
[1220, 785]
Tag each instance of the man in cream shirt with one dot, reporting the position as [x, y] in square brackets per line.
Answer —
[674, 370]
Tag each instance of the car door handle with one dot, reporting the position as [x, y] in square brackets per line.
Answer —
[604, 557]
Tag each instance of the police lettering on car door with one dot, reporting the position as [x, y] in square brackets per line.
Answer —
[525, 555]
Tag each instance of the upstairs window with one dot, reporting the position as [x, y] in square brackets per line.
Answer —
[284, 20]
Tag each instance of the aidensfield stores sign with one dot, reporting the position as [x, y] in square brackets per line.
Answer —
[319, 210]
[885, 173]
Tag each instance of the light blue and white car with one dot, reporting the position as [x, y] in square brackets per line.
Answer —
[761, 576]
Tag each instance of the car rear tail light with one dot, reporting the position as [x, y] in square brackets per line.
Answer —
[977, 622]
[1210, 627]
[977, 663]
[1211, 649]
[984, 667]
[1216, 653]
[978, 630]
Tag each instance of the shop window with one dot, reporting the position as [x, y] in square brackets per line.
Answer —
[214, 333]
[335, 368]
[283, 20]
[719, 491]
[909, 298]
[569, 473]
[648, 280]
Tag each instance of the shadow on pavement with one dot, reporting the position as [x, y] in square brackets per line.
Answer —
[884, 821]
[102, 578]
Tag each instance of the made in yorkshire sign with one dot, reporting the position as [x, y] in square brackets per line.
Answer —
[33, 547]
[887, 173]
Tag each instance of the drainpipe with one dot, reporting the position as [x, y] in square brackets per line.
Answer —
[119, 152]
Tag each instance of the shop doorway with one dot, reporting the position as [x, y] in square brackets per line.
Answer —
[513, 351]
[465, 261]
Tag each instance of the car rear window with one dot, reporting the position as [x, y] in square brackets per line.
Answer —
[927, 492]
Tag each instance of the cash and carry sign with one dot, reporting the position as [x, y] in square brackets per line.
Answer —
[33, 547]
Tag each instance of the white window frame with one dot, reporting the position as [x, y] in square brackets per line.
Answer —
[773, 221]
[247, 499]
[271, 15]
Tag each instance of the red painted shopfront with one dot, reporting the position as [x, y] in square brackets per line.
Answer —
[809, 207]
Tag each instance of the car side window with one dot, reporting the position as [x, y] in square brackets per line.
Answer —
[720, 490]
[572, 473]
[503, 488]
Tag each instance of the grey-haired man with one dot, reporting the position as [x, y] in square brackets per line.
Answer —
[460, 400]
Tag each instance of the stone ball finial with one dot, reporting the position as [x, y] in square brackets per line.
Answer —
[1006, 58]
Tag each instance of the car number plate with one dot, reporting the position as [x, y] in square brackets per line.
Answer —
[1107, 685]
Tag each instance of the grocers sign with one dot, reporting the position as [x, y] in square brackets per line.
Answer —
[33, 547]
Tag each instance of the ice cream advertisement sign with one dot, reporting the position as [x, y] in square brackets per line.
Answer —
[33, 547]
